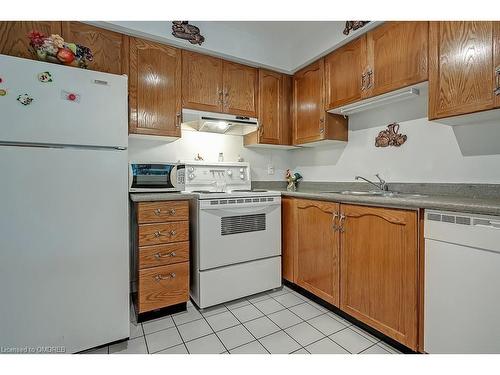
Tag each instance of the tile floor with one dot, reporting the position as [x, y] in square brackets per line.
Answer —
[280, 321]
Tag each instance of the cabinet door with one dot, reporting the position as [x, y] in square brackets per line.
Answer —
[110, 49]
[201, 82]
[317, 261]
[240, 89]
[14, 36]
[379, 270]
[397, 56]
[308, 95]
[496, 58]
[154, 88]
[461, 70]
[343, 73]
[289, 238]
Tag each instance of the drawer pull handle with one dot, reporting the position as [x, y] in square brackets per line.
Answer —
[157, 212]
[172, 212]
[341, 223]
[165, 277]
[166, 255]
[158, 234]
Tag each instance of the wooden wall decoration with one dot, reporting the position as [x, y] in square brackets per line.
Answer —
[390, 137]
[183, 30]
[353, 25]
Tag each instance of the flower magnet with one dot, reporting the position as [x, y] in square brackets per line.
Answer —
[24, 99]
[45, 77]
[3, 92]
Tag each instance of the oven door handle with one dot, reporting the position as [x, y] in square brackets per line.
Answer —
[241, 210]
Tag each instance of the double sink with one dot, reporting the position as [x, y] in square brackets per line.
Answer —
[375, 193]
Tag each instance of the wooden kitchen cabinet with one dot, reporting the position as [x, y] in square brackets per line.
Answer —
[378, 268]
[154, 89]
[201, 82]
[317, 260]
[274, 111]
[343, 74]
[396, 55]
[311, 124]
[14, 36]
[240, 89]
[289, 238]
[463, 61]
[110, 49]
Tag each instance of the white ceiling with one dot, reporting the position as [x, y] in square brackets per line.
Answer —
[281, 45]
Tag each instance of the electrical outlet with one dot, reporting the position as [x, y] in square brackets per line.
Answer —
[270, 169]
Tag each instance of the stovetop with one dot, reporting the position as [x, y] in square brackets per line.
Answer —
[240, 193]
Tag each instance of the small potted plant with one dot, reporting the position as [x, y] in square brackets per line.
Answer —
[54, 49]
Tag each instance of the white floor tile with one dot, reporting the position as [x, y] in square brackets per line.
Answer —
[158, 325]
[136, 330]
[304, 334]
[325, 346]
[389, 348]
[289, 299]
[375, 349]
[301, 351]
[351, 341]
[222, 321]
[261, 327]
[253, 347]
[340, 319]
[278, 292]
[235, 336]
[318, 306]
[269, 306]
[237, 304]
[101, 350]
[134, 346]
[213, 310]
[326, 324]
[163, 339]
[258, 297]
[279, 343]
[194, 329]
[284, 318]
[365, 334]
[305, 311]
[206, 345]
[187, 316]
[178, 349]
[246, 313]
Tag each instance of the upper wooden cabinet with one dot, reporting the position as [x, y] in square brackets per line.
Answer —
[396, 56]
[463, 76]
[110, 49]
[240, 89]
[154, 89]
[379, 270]
[14, 36]
[274, 111]
[201, 82]
[212, 84]
[311, 124]
[343, 73]
[317, 260]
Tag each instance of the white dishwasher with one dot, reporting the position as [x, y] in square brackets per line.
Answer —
[462, 283]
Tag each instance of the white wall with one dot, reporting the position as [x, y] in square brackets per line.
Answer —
[433, 152]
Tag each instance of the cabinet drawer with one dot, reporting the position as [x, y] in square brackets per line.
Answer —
[160, 255]
[154, 234]
[159, 212]
[163, 286]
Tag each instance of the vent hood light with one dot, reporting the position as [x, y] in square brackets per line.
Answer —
[217, 122]
[364, 105]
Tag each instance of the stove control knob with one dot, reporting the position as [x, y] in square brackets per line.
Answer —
[242, 176]
[242, 170]
[229, 172]
[191, 176]
[191, 169]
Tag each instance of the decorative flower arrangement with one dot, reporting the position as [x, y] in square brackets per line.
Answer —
[55, 50]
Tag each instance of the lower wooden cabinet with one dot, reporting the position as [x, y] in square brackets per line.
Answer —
[361, 259]
[318, 249]
[162, 252]
[378, 268]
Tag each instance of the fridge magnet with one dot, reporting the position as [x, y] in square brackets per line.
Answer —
[1, 80]
[3, 92]
[45, 77]
[24, 99]
[55, 49]
[70, 96]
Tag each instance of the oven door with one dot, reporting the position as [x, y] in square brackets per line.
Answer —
[236, 234]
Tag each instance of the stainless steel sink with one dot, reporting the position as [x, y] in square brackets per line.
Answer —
[353, 192]
[386, 194]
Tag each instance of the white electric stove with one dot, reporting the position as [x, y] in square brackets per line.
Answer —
[236, 234]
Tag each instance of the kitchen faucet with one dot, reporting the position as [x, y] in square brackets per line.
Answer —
[382, 185]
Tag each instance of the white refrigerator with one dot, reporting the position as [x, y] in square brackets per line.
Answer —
[64, 254]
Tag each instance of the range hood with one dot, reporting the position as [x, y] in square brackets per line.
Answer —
[221, 123]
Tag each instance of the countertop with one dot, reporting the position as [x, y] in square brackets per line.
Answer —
[485, 206]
